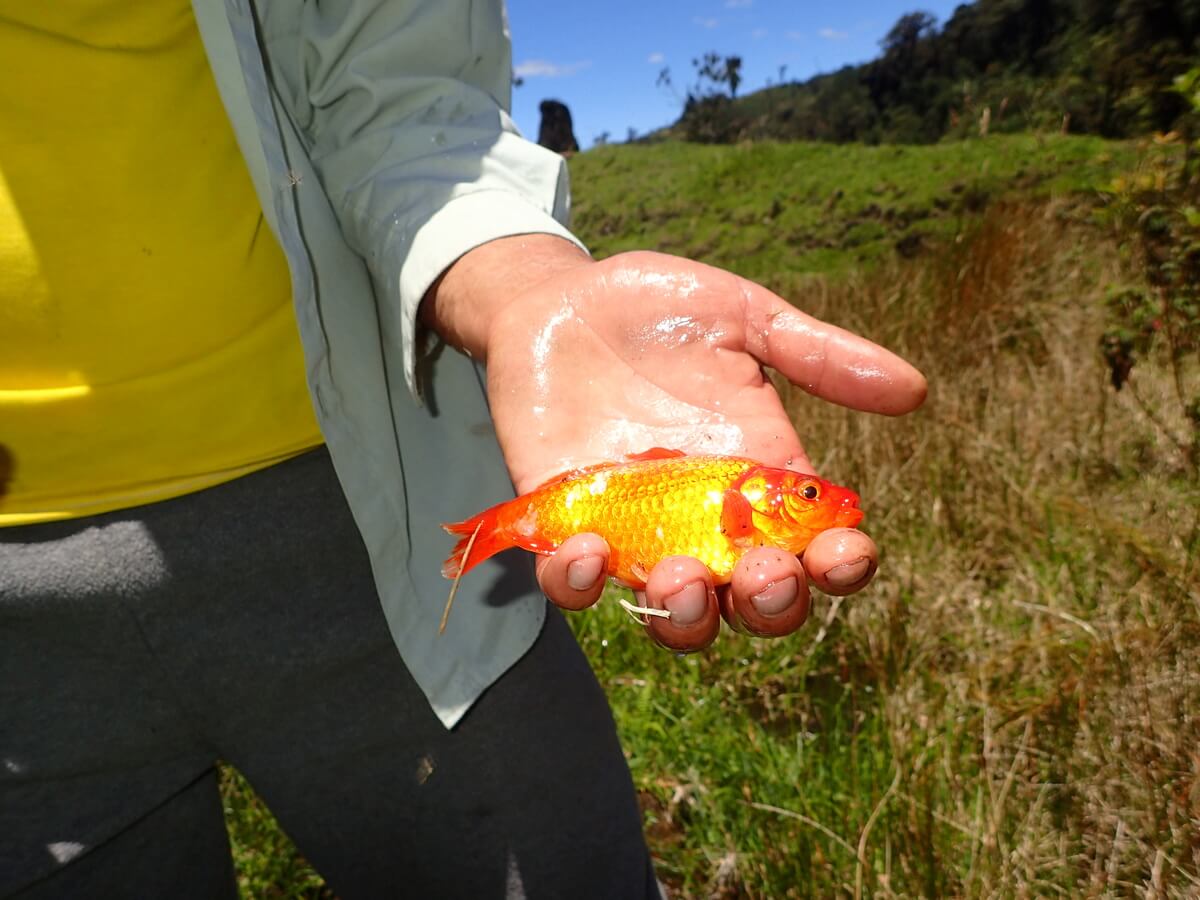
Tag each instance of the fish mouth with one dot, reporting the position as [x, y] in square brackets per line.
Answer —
[848, 514]
[848, 518]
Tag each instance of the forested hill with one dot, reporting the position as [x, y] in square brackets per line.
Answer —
[1093, 66]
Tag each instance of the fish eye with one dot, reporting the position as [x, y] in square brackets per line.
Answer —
[810, 492]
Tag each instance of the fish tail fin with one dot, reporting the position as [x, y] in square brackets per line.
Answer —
[480, 537]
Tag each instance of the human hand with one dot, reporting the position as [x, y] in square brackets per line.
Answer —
[591, 361]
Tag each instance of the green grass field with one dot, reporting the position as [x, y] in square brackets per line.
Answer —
[1011, 709]
[766, 209]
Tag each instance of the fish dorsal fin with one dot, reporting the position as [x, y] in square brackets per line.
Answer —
[571, 474]
[655, 453]
[644, 456]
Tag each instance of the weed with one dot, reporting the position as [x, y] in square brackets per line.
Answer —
[1155, 216]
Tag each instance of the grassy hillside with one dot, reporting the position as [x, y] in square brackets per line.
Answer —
[1013, 707]
[764, 209]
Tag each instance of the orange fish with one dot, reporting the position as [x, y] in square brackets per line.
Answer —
[662, 503]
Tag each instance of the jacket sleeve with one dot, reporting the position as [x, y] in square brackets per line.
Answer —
[404, 106]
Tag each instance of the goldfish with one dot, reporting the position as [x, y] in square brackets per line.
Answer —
[657, 504]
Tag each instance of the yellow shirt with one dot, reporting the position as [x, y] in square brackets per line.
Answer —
[148, 346]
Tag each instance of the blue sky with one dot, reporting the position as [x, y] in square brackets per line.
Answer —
[602, 59]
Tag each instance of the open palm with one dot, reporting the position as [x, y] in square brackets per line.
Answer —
[640, 351]
[643, 350]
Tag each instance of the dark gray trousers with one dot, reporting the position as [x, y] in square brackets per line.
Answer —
[241, 623]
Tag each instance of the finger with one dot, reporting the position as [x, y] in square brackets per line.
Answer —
[841, 561]
[573, 576]
[683, 586]
[768, 595]
[827, 361]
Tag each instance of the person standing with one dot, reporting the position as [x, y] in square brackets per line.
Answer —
[233, 237]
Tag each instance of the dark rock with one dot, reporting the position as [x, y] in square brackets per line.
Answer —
[556, 132]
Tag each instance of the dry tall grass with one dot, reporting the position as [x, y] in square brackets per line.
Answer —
[1035, 637]
[1012, 709]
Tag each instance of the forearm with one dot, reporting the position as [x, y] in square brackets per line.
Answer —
[403, 106]
[464, 302]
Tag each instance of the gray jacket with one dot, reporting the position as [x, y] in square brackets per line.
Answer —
[378, 139]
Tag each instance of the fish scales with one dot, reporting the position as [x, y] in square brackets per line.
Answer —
[658, 504]
[646, 511]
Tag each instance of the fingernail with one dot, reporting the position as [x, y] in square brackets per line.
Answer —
[584, 572]
[776, 598]
[687, 606]
[849, 574]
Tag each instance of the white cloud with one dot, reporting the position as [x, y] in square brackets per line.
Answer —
[794, 35]
[759, 33]
[832, 34]
[705, 23]
[738, 4]
[656, 59]
[540, 68]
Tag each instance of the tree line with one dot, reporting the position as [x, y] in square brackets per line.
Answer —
[1093, 66]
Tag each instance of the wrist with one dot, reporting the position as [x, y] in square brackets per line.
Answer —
[466, 298]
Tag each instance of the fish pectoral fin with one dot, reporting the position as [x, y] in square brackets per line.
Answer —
[655, 453]
[737, 516]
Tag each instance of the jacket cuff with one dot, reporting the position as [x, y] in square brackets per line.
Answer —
[458, 227]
